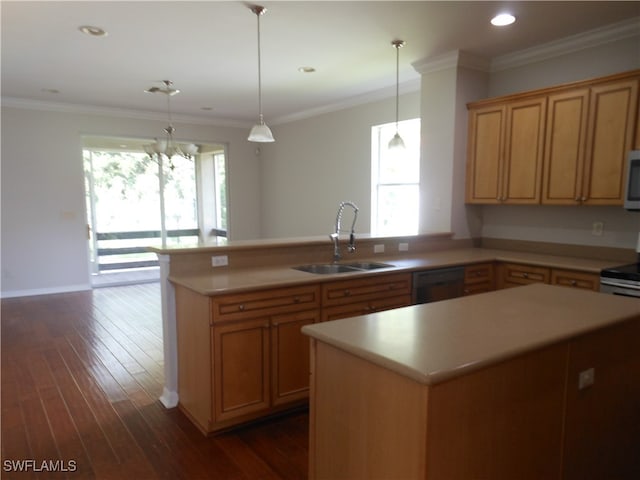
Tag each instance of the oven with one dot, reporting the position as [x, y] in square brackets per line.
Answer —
[623, 280]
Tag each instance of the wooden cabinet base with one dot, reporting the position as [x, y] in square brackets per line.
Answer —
[523, 418]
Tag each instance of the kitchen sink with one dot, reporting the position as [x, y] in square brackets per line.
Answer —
[368, 265]
[331, 268]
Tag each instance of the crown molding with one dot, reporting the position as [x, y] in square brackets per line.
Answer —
[374, 96]
[573, 43]
[456, 58]
[28, 104]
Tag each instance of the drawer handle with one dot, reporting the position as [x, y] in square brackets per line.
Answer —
[573, 283]
[241, 307]
[525, 275]
[347, 293]
[296, 299]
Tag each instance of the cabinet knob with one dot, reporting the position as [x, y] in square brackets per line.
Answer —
[583, 199]
[241, 307]
[347, 293]
[296, 299]
[525, 275]
[573, 283]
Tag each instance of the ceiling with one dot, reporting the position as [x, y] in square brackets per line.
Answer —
[209, 50]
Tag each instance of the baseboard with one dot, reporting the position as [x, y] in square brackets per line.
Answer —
[44, 291]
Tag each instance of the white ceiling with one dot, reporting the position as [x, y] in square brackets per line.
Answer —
[209, 49]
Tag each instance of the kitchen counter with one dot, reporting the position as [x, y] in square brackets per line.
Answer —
[230, 280]
[538, 381]
[434, 342]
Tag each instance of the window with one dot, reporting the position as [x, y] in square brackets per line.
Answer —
[133, 202]
[395, 179]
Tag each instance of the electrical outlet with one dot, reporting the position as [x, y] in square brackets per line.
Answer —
[597, 228]
[219, 261]
[378, 249]
[403, 247]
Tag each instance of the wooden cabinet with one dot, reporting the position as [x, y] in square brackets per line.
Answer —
[242, 356]
[505, 152]
[348, 298]
[479, 278]
[290, 356]
[589, 132]
[516, 274]
[240, 368]
[564, 145]
[570, 278]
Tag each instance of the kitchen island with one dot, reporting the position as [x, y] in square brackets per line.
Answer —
[531, 382]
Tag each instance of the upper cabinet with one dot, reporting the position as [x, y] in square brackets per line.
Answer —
[504, 159]
[564, 145]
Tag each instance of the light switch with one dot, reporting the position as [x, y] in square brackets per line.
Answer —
[586, 378]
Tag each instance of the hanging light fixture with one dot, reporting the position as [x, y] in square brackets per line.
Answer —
[396, 141]
[167, 146]
[260, 132]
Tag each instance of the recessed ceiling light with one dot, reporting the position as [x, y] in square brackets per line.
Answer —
[306, 69]
[503, 19]
[93, 31]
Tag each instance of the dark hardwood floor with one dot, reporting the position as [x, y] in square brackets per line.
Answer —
[81, 377]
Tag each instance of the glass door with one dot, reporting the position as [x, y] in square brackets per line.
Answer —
[134, 201]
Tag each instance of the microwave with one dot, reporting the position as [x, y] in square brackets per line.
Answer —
[632, 187]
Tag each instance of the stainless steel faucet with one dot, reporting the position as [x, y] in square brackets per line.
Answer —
[335, 235]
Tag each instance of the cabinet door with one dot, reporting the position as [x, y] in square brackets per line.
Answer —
[613, 108]
[523, 151]
[241, 368]
[564, 149]
[484, 155]
[290, 356]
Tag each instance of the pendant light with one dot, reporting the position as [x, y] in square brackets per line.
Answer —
[260, 132]
[396, 141]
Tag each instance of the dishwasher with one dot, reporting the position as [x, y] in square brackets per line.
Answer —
[439, 284]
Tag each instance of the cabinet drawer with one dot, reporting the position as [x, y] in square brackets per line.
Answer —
[480, 287]
[480, 273]
[513, 275]
[363, 308]
[361, 289]
[569, 278]
[264, 302]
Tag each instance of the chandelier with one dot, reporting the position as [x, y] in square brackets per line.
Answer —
[167, 146]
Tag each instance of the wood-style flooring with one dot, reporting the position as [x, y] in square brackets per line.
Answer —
[81, 377]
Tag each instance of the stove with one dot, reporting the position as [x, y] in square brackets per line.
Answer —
[622, 280]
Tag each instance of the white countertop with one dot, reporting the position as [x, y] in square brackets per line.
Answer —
[433, 342]
[227, 280]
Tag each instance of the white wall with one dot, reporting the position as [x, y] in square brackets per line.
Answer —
[44, 237]
[565, 224]
[318, 162]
